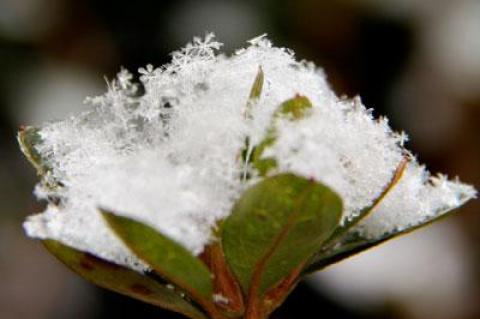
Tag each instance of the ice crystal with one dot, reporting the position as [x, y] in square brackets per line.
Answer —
[170, 157]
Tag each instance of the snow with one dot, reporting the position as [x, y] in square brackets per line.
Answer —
[170, 157]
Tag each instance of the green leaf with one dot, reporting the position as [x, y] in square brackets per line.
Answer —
[28, 137]
[275, 226]
[293, 109]
[257, 86]
[353, 243]
[296, 108]
[349, 224]
[343, 243]
[255, 92]
[168, 258]
[264, 164]
[122, 280]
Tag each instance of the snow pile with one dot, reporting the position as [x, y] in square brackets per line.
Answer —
[170, 157]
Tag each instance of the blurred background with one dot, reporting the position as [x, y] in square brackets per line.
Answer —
[416, 61]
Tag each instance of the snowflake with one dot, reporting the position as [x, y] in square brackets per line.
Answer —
[171, 157]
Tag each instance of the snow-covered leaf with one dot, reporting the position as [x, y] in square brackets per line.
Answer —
[205, 128]
[255, 91]
[354, 243]
[293, 109]
[28, 137]
[204, 143]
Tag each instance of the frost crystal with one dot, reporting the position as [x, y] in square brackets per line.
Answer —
[170, 157]
[219, 298]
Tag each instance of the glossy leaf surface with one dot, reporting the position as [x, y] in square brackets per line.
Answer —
[168, 258]
[277, 225]
[122, 280]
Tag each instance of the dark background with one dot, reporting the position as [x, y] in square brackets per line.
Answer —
[416, 61]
